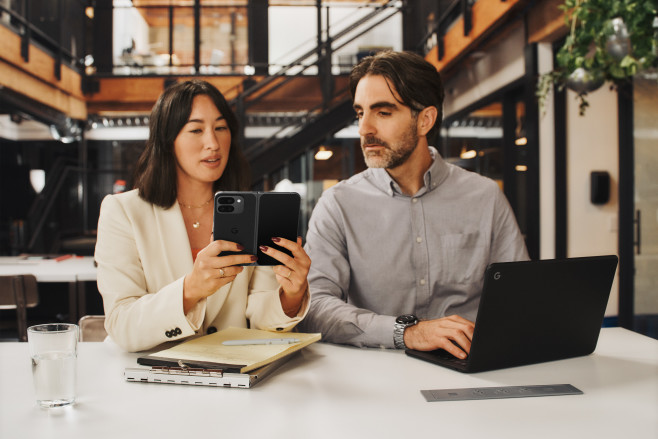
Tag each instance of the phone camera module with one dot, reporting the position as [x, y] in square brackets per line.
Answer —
[229, 203]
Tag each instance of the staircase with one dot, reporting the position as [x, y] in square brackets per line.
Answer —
[324, 99]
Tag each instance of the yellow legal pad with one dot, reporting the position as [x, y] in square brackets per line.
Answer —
[208, 351]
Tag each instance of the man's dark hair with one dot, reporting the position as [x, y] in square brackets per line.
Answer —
[415, 80]
[155, 173]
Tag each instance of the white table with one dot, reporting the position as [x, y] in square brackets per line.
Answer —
[334, 391]
[75, 271]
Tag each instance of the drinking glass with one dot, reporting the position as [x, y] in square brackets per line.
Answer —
[54, 352]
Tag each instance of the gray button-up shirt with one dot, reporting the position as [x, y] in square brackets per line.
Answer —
[377, 253]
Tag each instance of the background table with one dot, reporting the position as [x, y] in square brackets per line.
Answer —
[331, 391]
[75, 270]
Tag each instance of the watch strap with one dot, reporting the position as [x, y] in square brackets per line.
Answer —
[401, 324]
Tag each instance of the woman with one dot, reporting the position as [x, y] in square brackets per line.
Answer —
[161, 275]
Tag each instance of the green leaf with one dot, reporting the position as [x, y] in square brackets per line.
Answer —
[632, 70]
[627, 61]
[616, 71]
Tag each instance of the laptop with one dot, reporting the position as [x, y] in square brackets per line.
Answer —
[535, 311]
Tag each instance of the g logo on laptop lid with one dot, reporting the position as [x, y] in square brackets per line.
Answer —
[496, 275]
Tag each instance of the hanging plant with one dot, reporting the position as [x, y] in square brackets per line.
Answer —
[608, 40]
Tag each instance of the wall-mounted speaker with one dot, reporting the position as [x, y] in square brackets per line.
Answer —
[599, 187]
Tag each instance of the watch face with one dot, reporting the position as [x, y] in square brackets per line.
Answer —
[406, 319]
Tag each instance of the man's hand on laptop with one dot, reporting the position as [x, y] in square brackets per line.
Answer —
[448, 333]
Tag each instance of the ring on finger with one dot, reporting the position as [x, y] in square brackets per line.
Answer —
[221, 272]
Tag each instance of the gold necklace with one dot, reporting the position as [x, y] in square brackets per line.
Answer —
[196, 224]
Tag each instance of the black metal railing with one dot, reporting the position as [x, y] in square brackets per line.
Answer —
[138, 65]
[314, 57]
[31, 33]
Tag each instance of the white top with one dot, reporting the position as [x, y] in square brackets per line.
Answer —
[143, 254]
[334, 391]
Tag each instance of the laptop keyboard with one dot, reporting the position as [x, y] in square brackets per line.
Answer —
[449, 358]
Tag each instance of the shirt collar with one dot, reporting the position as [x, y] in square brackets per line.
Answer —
[434, 176]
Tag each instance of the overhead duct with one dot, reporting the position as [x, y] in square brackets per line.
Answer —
[62, 127]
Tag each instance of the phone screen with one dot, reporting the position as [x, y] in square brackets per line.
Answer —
[254, 218]
[278, 216]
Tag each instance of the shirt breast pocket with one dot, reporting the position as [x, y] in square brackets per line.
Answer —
[462, 257]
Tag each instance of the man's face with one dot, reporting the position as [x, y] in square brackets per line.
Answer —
[388, 129]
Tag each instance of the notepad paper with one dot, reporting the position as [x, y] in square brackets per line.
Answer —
[209, 348]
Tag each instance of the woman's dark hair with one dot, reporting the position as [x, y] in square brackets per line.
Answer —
[155, 173]
[416, 81]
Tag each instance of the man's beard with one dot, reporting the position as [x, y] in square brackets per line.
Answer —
[391, 156]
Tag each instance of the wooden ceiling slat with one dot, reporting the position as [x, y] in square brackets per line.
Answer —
[139, 94]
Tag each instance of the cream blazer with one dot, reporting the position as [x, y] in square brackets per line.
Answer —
[143, 254]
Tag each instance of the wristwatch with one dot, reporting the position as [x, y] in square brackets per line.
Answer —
[402, 323]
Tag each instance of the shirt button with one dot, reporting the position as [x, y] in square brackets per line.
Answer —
[422, 281]
[414, 200]
[419, 239]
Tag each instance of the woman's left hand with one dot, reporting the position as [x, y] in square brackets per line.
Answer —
[292, 275]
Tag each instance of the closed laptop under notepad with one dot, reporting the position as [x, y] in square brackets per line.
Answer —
[535, 311]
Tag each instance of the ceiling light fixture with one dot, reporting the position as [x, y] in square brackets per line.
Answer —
[323, 153]
[470, 154]
[37, 179]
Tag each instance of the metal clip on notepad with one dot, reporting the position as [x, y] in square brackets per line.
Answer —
[190, 376]
[190, 371]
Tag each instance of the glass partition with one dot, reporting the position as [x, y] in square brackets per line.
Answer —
[224, 40]
[158, 37]
[475, 141]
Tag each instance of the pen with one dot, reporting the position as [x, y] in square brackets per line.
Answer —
[261, 341]
[63, 258]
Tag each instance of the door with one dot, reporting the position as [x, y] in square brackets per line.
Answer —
[645, 140]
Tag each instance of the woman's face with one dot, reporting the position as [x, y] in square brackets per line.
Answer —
[203, 144]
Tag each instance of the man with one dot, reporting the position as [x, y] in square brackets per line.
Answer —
[399, 251]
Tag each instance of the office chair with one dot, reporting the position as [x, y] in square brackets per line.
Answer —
[92, 328]
[19, 292]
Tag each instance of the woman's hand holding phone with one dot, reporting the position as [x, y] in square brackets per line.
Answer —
[212, 271]
[292, 274]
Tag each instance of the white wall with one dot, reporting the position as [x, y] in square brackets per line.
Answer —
[546, 162]
[592, 145]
